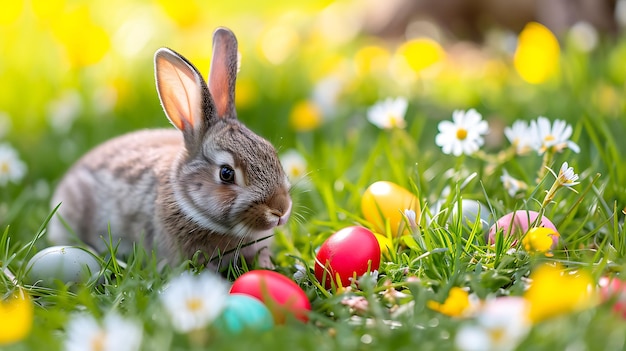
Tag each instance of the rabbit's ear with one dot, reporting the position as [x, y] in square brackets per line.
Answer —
[182, 91]
[223, 72]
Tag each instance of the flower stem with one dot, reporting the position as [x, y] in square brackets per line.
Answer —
[548, 156]
[550, 194]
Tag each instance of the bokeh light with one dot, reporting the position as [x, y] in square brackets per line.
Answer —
[537, 55]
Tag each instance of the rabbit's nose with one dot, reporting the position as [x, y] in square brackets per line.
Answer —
[280, 216]
[279, 206]
[285, 216]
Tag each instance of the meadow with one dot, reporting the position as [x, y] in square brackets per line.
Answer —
[344, 110]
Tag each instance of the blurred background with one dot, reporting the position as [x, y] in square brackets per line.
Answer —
[74, 73]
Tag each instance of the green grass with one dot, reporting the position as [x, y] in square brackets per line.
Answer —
[345, 155]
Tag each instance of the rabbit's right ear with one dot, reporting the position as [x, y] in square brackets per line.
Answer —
[223, 74]
[183, 93]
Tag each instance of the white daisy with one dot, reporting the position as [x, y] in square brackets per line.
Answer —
[464, 135]
[520, 135]
[584, 36]
[553, 137]
[12, 169]
[295, 165]
[115, 333]
[512, 185]
[502, 323]
[566, 176]
[194, 301]
[388, 114]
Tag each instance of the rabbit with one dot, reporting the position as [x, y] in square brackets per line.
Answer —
[210, 185]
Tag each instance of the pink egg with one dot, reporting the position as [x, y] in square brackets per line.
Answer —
[281, 295]
[614, 290]
[350, 252]
[517, 223]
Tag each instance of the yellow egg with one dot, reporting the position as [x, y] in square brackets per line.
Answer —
[385, 243]
[386, 202]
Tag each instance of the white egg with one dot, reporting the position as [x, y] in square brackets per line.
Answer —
[65, 263]
[471, 209]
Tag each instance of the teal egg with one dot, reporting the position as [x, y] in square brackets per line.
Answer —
[243, 312]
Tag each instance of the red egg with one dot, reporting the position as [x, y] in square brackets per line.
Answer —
[517, 223]
[614, 290]
[281, 295]
[350, 252]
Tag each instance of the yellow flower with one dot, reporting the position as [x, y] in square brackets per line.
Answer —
[246, 92]
[553, 291]
[539, 239]
[277, 43]
[421, 53]
[455, 305]
[185, 15]
[537, 55]
[47, 10]
[85, 42]
[11, 11]
[305, 116]
[16, 318]
[371, 59]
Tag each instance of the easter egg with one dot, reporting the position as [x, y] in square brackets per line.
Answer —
[470, 211]
[65, 263]
[244, 312]
[348, 253]
[614, 290]
[386, 201]
[281, 295]
[385, 243]
[517, 223]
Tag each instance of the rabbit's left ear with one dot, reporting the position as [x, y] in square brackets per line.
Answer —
[184, 96]
[180, 89]
[223, 74]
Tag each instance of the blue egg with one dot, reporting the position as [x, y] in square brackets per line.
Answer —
[244, 312]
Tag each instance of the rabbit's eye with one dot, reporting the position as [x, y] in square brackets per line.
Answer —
[227, 174]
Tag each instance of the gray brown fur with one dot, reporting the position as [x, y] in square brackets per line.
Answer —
[162, 187]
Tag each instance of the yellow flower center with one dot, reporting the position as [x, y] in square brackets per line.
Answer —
[461, 134]
[549, 138]
[194, 304]
[97, 343]
[4, 168]
[394, 120]
[295, 171]
[497, 335]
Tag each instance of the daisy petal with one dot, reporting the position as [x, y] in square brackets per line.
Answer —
[462, 135]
